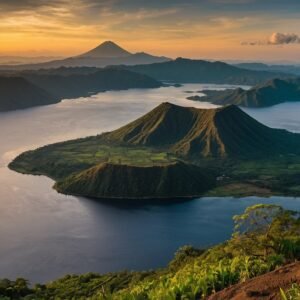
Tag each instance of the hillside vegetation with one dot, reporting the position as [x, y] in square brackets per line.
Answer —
[265, 238]
[244, 157]
[226, 131]
[172, 180]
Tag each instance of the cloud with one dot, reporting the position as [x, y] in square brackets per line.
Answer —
[276, 38]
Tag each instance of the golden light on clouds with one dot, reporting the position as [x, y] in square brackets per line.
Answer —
[67, 28]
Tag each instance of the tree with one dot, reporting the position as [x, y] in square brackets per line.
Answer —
[264, 229]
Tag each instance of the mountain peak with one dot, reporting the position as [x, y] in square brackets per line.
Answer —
[229, 108]
[219, 132]
[107, 49]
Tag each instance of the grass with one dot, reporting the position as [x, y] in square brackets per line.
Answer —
[268, 168]
[61, 160]
[239, 190]
[276, 175]
[293, 293]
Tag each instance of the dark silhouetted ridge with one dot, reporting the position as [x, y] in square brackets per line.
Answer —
[106, 50]
[270, 93]
[85, 84]
[19, 93]
[189, 70]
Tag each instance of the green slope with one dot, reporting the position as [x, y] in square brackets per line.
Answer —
[127, 181]
[221, 132]
[270, 243]
[248, 157]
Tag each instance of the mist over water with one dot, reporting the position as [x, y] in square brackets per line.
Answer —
[44, 235]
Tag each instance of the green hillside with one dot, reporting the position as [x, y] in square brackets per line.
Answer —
[265, 238]
[245, 156]
[172, 180]
[273, 92]
[221, 132]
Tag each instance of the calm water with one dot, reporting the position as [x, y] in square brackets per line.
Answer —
[44, 235]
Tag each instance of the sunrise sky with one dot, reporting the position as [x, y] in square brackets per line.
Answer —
[214, 29]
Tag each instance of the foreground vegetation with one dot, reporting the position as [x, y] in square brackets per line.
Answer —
[292, 293]
[264, 238]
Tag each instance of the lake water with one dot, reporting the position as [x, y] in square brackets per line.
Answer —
[44, 235]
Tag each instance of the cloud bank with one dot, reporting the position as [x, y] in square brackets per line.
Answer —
[277, 38]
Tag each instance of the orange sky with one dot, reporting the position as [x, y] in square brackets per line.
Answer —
[188, 29]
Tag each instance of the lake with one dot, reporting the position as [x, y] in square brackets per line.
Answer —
[45, 235]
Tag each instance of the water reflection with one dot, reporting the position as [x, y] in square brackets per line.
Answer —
[44, 234]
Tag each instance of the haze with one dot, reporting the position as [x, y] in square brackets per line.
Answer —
[210, 29]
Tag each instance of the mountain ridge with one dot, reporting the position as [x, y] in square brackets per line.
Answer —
[266, 94]
[185, 70]
[172, 180]
[20, 93]
[29, 89]
[220, 132]
[106, 54]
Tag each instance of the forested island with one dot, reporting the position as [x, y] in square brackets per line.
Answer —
[174, 152]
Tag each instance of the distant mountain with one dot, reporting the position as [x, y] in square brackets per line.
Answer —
[289, 69]
[107, 49]
[226, 131]
[34, 88]
[107, 53]
[61, 71]
[18, 60]
[200, 71]
[108, 180]
[273, 92]
[19, 93]
[81, 85]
